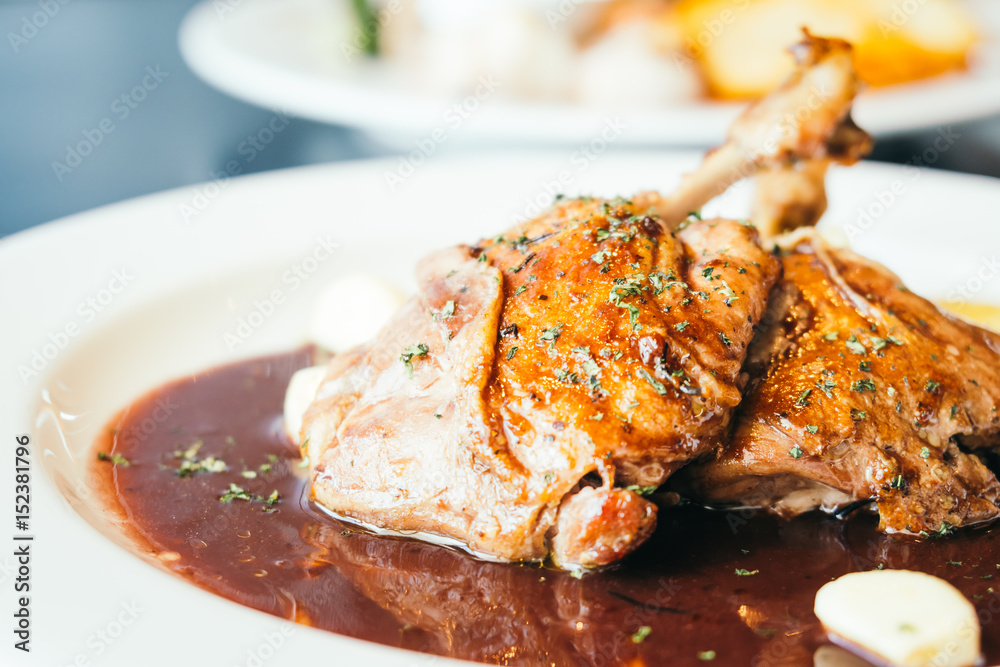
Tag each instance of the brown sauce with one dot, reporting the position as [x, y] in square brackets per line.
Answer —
[296, 562]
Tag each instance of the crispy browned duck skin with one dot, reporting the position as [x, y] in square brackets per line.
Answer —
[861, 391]
[584, 356]
[787, 140]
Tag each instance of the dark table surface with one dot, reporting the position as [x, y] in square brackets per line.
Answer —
[65, 78]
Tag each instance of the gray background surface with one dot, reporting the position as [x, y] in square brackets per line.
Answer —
[65, 79]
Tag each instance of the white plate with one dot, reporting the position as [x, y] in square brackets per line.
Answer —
[284, 54]
[191, 277]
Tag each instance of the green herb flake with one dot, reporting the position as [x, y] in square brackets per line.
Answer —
[812, 429]
[641, 634]
[706, 655]
[681, 326]
[795, 452]
[114, 459]
[418, 350]
[658, 386]
[855, 346]
[862, 386]
[725, 339]
[740, 572]
[803, 398]
[925, 453]
[235, 493]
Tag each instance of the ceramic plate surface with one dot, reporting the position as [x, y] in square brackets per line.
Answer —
[106, 305]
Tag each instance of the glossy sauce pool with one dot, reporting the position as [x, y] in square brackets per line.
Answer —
[292, 560]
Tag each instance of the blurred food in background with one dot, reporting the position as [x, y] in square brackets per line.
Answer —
[651, 53]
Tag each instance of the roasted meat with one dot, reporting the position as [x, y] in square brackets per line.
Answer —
[862, 392]
[541, 383]
[538, 384]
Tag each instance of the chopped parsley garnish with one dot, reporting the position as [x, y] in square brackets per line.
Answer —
[863, 385]
[864, 367]
[235, 493]
[803, 398]
[239, 493]
[418, 350]
[658, 386]
[954, 411]
[706, 655]
[898, 482]
[812, 429]
[681, 326]
[448, 310]
[833, 335]
[512, 352]
[191, 464]
[114, 459]
[641, 634]
[947, 529]
[740, 572]
[931, 386]
[795, 452]
[641, 490]
[564, 375]
[858, 415]
[878, 343]
[855, 346]
[827, 386]
[725, 339]
[925, 452]
[552, 333]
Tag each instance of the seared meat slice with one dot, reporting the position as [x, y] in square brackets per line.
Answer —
[863, 390]
[585, 351]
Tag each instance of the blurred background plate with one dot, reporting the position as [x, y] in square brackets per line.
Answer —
[287, 54]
